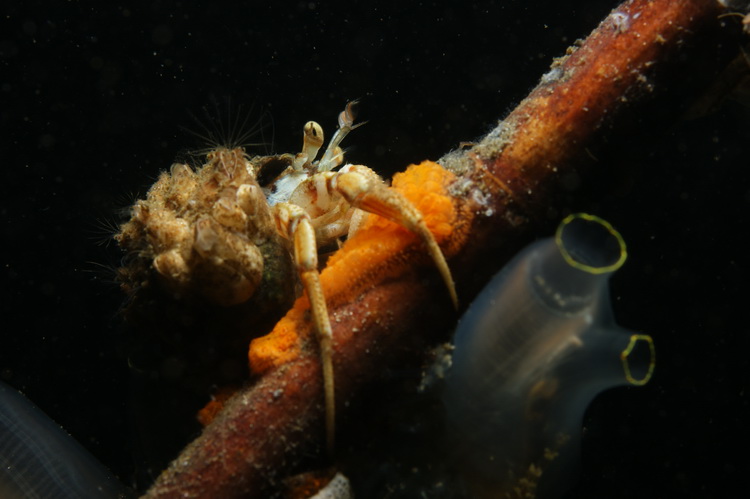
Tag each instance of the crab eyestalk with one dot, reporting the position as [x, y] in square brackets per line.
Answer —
[312, 141]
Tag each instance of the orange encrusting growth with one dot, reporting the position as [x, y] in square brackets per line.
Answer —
[215, 405]
[374, 251]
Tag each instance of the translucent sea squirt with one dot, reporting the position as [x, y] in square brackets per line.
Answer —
[532, 351]
[38, 459]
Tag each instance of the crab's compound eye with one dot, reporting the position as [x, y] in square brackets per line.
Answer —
[270, 169]
[313, 134]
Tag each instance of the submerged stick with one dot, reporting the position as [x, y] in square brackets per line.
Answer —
[381, 290]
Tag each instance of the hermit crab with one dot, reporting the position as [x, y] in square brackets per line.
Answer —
[220, 230]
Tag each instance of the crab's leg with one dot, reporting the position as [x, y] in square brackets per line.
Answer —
[294, 223]
[364, 189]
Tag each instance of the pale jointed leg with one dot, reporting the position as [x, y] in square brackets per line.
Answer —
[294, 222]
[364, 189]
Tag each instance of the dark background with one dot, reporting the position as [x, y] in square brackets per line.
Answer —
[93, 104]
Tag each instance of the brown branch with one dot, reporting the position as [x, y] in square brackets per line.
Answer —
[504, 189]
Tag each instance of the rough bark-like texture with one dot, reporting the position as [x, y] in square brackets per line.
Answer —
[512, 182]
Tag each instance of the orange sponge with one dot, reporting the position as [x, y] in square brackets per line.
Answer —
[379, 250]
